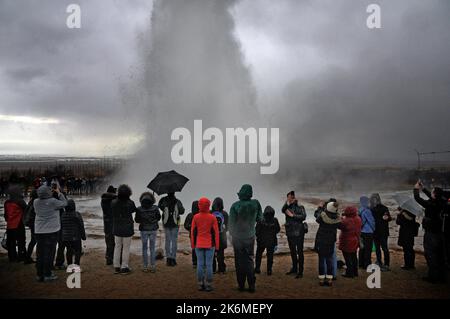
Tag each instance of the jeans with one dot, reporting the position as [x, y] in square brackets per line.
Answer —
[147, 236]
[171, 242]
[351, 260]
[381, 243]
[204, 264]
[334, 262]
[16, 237]
[122, 250]
[73, 249]
[259, 251]
[243, 260]
[110, 243]
[45, 251]
[296, 249]
[325, 264]
[366, 251]
[219, 261]
[433, 246]
[32, 244]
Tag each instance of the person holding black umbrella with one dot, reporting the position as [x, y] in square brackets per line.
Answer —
[172, 209]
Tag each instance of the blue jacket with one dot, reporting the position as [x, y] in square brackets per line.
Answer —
[368, 222]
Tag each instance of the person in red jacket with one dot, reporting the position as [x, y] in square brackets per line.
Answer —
[349, 240]
[205, 240]
[14, 208]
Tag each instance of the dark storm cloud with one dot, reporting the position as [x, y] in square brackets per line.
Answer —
[374, 94]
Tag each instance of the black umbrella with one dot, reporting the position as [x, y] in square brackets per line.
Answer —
[167, 182]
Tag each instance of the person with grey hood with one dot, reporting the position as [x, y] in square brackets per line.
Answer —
[46, 227]
[72, 232]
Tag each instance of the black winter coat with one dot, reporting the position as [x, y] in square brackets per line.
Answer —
[72, 225]
[107, 198]
[148, 218]
[432, 221]
[381, 225]
[122, 211]
[266, 232]
[326, 234]
[408, 229]
[294, 225]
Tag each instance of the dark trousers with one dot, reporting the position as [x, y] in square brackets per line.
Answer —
[219, 261]
[45, 252]
[259, 252]
[16, 237]
[31, 244]
[110, 244]
[296, 249]
[194, 258]
[326, 260]
[60, 252]
[381, 243]
[73, 249]
[351, 261]
[433, 245]
[365, 253]
[243, 260]
[409, 256]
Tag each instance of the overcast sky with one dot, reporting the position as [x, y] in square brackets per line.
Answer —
[333, 86]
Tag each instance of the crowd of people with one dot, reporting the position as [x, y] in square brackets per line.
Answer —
[57, 229]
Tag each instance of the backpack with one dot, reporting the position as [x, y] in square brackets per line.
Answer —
[220, 221]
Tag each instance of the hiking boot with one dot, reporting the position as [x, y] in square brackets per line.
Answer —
[50, 278]
[145, 269]
[152, 269]
[208, 286]
[257, 271]
[174, 262]
[321, 280]
[200, 286]
[168, 262]
[117, 270]
[125, 271]
[109, 262]
[291, 272]
[329, 281]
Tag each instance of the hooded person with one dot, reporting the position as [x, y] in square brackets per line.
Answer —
[433, 239]
[244, 214]
[381, 234]
[106, 201]
[123, 228]
[148, 216]
[349, 240]
[329, 221]
[266, 238]
[408, 229]
[367, 230]
[188, 225]
[14, 210]
[222, 222]
[73, 232]
[47, 224]
[295, 231]
[205, 241]
[172, 209]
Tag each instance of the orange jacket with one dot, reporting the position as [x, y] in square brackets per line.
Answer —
[204, 229]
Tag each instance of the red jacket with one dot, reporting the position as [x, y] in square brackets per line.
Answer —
[204, 229]
[14, 211]
[350, 231]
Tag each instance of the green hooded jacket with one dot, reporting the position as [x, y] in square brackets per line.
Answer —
[244, 214]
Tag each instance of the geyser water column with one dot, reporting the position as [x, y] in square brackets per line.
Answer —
[193, 69]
